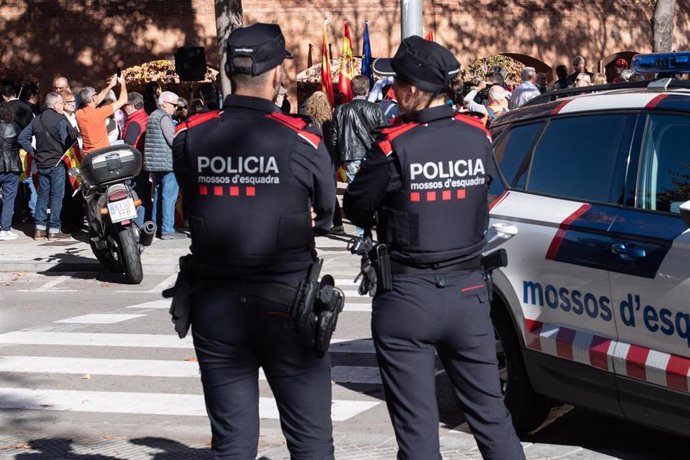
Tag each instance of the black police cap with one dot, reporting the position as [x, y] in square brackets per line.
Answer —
[263, 43]
[421, 63]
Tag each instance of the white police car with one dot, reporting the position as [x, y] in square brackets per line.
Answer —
[594, 305]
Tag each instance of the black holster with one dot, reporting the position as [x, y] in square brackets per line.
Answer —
[383, 269]
[302, 308]
[328, 304]
[181, 293]
[317, 305]
[490, 262]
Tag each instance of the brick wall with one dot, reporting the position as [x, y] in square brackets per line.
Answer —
[87, 39]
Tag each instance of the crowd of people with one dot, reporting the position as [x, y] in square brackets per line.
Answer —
[35, 140]
[92, 119]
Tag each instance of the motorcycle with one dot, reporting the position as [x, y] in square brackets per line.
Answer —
[105, 181]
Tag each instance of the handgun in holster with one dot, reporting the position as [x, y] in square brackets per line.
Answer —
[181, 293]
[301, 310]
[492, 261]
[328, 304]
[317, 304]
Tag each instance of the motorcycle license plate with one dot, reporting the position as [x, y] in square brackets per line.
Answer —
[122, 210]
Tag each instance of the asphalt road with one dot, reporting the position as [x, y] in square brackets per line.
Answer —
[91, 369]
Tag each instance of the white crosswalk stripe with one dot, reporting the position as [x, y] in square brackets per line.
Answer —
[150, 368]
[144, 403]
[141, 341]
[87, 339]
[98, 319]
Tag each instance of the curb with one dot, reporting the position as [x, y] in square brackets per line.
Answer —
[84, 267]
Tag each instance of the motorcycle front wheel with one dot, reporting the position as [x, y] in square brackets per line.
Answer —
[130, 256]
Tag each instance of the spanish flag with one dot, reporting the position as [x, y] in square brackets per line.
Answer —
[326, 77]
[72, 158]
[347, 66]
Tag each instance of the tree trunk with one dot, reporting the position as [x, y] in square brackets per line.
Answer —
[228, 18]
[662, 26]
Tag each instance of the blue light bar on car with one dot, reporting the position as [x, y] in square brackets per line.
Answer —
[661, 63]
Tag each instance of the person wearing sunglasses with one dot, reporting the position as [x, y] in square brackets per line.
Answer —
[158, 161]
[181, 111]
[53, 136]
[92, 118]
[70, 108]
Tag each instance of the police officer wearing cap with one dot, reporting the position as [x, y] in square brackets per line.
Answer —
[251, 177]
[424, 185]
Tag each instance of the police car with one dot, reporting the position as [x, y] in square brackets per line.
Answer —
[592, 208]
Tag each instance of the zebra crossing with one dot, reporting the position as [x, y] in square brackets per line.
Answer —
[94, 363]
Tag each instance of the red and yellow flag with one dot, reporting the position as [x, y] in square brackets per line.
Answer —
[347, 66]
[326, 77]
[72, 159]
[340, 174]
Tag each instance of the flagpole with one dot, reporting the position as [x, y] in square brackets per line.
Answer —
[366, 54]
[60, 160]
[64, 154]
[326, 77]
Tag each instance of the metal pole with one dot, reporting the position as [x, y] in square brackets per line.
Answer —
[410, 18]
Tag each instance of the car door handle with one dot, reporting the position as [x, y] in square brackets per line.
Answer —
[628, 252]
[498, 234]
[504, 230]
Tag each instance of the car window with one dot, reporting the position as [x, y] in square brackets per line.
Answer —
[664, 177]
[512, 152]
[583, 157]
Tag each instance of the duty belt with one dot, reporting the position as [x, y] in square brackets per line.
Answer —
[216, 276]
[398, 268]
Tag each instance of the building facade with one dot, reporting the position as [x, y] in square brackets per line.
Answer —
[87, 39]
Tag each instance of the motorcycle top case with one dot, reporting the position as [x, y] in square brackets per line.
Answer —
[110, 164]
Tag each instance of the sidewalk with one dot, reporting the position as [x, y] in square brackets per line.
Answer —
[28, 255]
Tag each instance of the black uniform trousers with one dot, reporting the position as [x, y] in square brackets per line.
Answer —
[447, 313]
[236, 333]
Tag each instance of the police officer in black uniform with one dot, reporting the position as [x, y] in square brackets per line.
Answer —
[424, 184]
[251, 177]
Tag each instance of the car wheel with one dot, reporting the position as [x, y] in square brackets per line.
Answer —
[527, 408]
